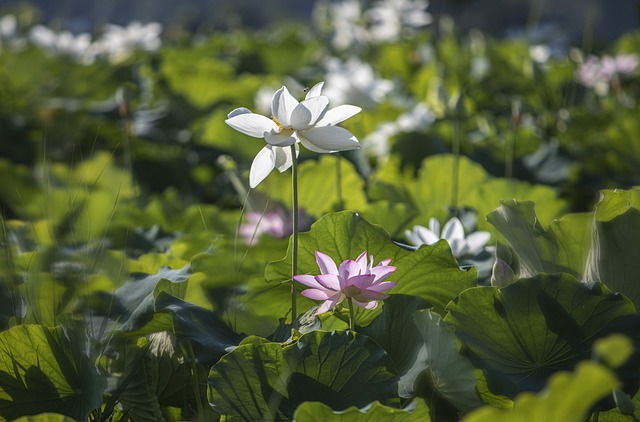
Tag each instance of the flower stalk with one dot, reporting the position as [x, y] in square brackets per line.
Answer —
[351, 316]
[295, 217]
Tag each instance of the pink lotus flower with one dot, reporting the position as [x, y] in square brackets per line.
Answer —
[357, 280]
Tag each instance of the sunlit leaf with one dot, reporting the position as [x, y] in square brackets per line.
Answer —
[567, 397]
[270, 380]
[318, 412]
[48, 370]
[523, 333]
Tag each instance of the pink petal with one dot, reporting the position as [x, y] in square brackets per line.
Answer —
[326, 264]
[329, 281]
[362, 261]
[330, 303]
[384, 262]
[369, 295]
[362, 282]
[368, 305]
[316, 294]
[382, 287]
[382, 272]
[308, 280]
[348, 269]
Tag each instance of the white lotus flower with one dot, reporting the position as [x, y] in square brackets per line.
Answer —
[309, 122]
[453, 233]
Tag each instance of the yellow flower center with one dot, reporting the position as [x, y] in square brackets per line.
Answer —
[277, 123]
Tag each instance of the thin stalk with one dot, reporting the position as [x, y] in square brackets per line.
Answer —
[511, 143]
[339, 182]
[351, 316]
[456, 162]
[294, 253]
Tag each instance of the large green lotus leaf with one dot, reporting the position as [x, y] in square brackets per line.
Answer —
[395, 330]
[318, 186]
[562, 248]
[203, 79]
[615, 250]
[48, 370]
[448, 374]
[156, 373]
[523, 333]
[568, 397]
[45, 417]
[425, 353]
[431, 272]
[433, 186]
[318, 412]
[209, 334]
[394, 217]
[270, 380]
[488, 195]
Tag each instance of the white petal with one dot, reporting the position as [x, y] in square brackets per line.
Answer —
[282, 139]
[338, 114]
[238, 111]
[314, 91]
[425, 235]
[476, 241]
[434, 225]
[283, 157]
[251, 124]
[282, 105]
[317, 106]
[452, 230]
[261, 166]
[412, 238]
[330, 138]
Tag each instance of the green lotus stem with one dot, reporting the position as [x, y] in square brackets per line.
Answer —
[511, 143]
[456, 162]
[340, 204]
[351, 316]
[294, 253]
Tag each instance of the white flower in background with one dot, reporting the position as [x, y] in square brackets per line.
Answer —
[117, 43]
[545, 42]
[345, 20]
[354, 82]
[309, 122]
[417, 119]
[377, 142]
[63, 43]
[453, 233]
[598, 73]
[8, 26]
[390, 18]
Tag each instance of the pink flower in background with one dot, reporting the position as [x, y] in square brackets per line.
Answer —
[598, 72]
[277, 223]
[357, 280]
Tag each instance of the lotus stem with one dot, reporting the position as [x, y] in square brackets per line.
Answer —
[294, 252]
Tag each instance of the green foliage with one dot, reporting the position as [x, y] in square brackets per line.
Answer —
[48, 370]
[522, 334]
[430, 273]
[270, 380]
[315, 411]
[567, 397]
